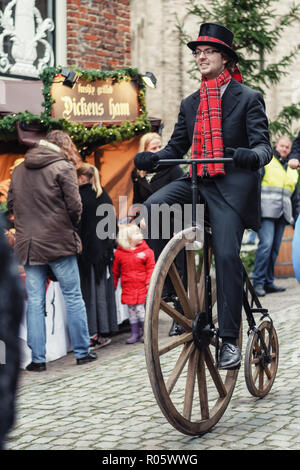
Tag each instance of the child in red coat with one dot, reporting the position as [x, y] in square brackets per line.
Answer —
[134, 263]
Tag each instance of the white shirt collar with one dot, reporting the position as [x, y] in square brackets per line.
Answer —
[223, 87]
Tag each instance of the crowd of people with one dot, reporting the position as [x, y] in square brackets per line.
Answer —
[54, 197]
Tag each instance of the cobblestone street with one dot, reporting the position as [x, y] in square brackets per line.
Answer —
[109, 404]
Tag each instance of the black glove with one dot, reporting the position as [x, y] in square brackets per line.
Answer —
[146, 161]
[246, 158]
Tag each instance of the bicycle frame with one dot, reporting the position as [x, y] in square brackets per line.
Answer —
[248, 288]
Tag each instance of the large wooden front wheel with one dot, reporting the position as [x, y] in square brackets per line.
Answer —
[190, 391]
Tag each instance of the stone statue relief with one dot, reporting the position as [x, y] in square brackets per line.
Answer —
[21, 23]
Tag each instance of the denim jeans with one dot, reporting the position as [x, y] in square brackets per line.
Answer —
[270, 235]
[252, 237]
[66, 271]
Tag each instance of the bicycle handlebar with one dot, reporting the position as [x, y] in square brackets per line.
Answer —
[180, 161]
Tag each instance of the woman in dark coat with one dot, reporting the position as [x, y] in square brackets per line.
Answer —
[146, 184]
[95, 262]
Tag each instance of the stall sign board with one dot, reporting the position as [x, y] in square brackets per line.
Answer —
[97, 101]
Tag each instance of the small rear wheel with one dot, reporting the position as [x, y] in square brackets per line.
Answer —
[261, 368]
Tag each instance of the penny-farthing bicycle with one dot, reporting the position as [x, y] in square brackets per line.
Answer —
[190, 390]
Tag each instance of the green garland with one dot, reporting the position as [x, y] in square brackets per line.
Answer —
[84, 138]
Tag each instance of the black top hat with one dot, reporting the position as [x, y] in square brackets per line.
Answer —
[215, 35]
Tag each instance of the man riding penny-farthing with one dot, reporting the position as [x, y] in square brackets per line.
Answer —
[224, 120]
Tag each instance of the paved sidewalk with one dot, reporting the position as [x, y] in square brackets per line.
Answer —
[109, 404]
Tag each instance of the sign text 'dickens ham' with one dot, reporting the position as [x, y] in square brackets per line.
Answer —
[98, 101]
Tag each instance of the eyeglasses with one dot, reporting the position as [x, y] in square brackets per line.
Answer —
[206, 53]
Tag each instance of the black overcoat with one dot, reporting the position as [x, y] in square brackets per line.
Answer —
[95, 251]
[142, 189]
[244, 124]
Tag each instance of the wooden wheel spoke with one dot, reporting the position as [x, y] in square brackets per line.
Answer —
[201, 290]
[190, 384]
[192, 280]
[257, 348]
[174, 343]
[215, 375]
[259, 369]
[202, 387]
[267, 372]
[179, 366]
[261, 378]
[255, 360]
[182, 320]
[180, 290]
[256, 372]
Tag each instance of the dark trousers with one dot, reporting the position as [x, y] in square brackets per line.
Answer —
[227, 233]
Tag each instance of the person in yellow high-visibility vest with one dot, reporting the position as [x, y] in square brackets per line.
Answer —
[280, 206]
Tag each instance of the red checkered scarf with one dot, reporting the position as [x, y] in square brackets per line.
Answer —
[208, 137]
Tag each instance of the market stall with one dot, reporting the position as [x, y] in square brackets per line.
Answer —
[105, 114]
[103, 111]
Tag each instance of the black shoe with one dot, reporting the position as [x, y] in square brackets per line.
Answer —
[176, 329]
[271, 289]
[167, 298]
[230, 357]
[259, 290]
[36, 367]
[89, 358]
[167, 294]
[172, 331]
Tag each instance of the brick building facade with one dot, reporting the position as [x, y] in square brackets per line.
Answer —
[98, 34]
[89, 34]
